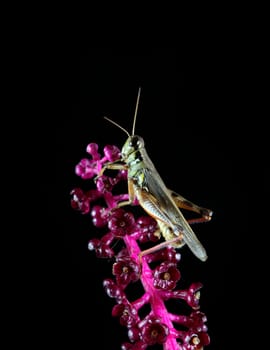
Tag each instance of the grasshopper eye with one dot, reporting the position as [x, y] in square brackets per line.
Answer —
[134, 141]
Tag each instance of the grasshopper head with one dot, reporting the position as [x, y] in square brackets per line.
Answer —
[132, 144]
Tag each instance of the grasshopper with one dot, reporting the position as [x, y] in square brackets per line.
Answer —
[146, 185]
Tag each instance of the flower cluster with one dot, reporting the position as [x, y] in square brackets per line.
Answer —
[157, 272]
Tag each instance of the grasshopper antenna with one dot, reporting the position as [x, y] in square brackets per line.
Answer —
[119, 126]
[136, 110]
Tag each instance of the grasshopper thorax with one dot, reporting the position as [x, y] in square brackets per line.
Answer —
[132, 145]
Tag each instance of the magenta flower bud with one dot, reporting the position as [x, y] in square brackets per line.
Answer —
[204, 340]
[137, 346]
[112, 153]
[127, 314]
[140, 345]
[169, 254]
[148, 229]
[191, 296]
[134, 335]
[92, 149]
[154, 332]
[86, 169]
[104, 184]
[121, 175]
[196, 321]
[194, 341]
[102, 249]
[80, 201]
[113, 290]
[121, 222]
[166, 275]
[99, 216]
[126, 270]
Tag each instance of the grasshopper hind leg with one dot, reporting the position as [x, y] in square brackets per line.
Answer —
[183, 203]
[171, 240]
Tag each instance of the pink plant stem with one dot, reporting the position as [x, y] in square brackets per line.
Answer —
[151, 294]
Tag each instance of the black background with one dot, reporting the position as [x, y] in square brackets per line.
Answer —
[191, 118]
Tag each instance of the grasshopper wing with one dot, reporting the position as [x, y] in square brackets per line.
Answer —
[156, 199]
